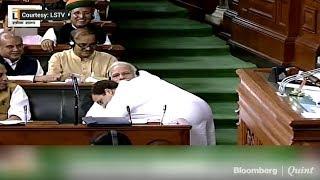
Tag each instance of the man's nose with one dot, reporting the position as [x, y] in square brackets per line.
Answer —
[122, 77]
[4, 77]
[81, 15]
[15, 48]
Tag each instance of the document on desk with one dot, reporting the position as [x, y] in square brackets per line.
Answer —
[12, 122]
[139, 121]
[310, 103]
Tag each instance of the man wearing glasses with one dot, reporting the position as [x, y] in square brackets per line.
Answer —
[82, 59]
[81, 14]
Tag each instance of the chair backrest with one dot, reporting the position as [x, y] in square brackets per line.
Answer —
[56, 101]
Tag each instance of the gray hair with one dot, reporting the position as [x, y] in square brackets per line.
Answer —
[122, 64]
[6, 35]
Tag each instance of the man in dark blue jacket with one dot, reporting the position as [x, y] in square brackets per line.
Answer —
[20, 67]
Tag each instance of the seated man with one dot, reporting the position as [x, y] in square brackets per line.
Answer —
[152, 98]
[20, 67]
[81, 15]
[13, 99]
[82, 59]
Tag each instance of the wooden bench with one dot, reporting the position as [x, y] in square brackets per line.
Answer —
[43, 56]
[108, 26]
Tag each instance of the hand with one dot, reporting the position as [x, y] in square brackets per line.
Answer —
[14, 117]
[47, 78]
[182, 121]
[47, 45]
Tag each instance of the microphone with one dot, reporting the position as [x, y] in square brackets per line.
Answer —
[75, 85]
[25, 109]
[114, 137]
[307, 74]
[164, 111]
[76, 98]
[129, 113]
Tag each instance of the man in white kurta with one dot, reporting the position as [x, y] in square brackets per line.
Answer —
[13, 99]
[146, 95]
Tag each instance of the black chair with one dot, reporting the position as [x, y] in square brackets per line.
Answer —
[113, 138]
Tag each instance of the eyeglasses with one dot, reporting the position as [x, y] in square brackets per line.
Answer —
[85, 46]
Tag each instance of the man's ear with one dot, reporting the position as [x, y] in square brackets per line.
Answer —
[109, 91]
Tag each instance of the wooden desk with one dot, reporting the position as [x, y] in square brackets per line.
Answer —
[45, 133]
[268, 119]
[108, 26]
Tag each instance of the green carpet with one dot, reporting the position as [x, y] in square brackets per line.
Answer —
[161, 39]
[199, 66]
[163, 27]
[175, 46]
[143, 9]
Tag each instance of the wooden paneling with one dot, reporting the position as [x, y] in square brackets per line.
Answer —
[228, 16]
[308, 41]
[267, 28]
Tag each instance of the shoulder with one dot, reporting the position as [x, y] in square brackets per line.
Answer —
[105, 55]
[12, 85]
[61, 54]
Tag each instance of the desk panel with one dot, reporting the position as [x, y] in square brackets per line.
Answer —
[44, 133]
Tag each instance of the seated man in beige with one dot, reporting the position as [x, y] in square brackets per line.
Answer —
[82, 59]
[14, 101]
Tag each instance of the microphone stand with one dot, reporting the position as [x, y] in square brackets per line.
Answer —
[76, 99]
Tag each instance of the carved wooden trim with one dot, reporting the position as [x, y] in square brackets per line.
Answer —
[309, 19]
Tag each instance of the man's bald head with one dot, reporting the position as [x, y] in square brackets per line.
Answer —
[11, 46]
[4, 36]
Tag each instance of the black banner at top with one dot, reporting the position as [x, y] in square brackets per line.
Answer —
[57, 15]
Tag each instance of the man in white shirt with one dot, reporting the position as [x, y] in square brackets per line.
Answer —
[152, 98]
[14, 101]
[20, 67]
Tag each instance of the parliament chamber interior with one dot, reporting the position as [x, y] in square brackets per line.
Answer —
[253, 63]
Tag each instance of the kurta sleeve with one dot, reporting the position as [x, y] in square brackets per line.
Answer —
[54, 64]
[18, 100]
[50, 35]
